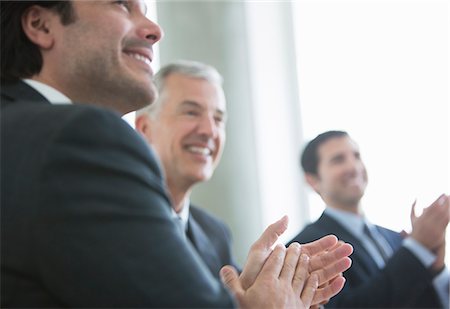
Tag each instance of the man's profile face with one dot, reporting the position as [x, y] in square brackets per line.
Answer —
[189, 132]
[106, 53]
[342, 176]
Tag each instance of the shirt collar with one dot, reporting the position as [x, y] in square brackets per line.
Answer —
[352, 222]
[51, 94]
[184, 213]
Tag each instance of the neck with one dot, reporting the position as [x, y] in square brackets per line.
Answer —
[179, 196]
[82, 97]
[354, 207]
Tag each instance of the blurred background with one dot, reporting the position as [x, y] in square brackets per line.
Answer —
[293, 69]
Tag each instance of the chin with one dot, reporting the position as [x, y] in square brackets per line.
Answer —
[203, 177]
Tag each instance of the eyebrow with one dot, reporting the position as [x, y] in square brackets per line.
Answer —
[336, 157]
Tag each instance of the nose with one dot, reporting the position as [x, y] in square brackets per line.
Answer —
[353, 165]
[150, 31]
[208, 127]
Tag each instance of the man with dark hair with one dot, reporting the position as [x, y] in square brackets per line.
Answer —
[388, 271]
[25, 58]
[85, 218]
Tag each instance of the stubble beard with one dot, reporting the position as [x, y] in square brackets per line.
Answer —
[102, 79]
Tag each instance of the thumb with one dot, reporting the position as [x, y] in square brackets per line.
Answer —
[272, 233]
[260, 251]
[412, 215]
[230, 278]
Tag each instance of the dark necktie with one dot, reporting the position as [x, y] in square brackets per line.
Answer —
[376, 243]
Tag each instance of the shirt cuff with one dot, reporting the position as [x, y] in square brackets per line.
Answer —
[425, 256]
[441, 285]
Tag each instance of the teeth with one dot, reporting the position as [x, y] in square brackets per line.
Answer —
[140, 58]
[200, 150]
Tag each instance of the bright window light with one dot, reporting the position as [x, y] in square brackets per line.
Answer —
[379, 70]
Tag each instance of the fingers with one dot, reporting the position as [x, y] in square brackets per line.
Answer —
[412, 215]
[230, 278]
[301, 274]
[442, 199]
[274, 264]
[310, 290]
[438, 212]
[332, 263]
[260, 250]
[430, 227]
[331, 271]
[271, 234]
[320, 245]
[290, 262]
[322, 295]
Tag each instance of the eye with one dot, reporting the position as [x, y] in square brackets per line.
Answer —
[219, 120]
[192, 113]
[125, 4]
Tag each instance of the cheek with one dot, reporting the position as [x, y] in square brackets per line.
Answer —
[220, 143]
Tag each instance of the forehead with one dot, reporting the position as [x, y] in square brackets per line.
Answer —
[336, 146]
[179, 88]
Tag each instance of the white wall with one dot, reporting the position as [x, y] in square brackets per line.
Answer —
[379, 70]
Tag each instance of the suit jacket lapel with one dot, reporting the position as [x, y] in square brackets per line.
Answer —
[359, 251]
[203, 246]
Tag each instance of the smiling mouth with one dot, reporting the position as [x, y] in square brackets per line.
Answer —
[205, 151]
[140, 57]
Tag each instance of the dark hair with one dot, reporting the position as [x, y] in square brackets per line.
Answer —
[21, 58]
[310, 157]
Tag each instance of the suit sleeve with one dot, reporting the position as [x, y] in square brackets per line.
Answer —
[105, 237]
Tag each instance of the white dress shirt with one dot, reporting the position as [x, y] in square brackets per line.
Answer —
[183, 215]
[51, 94]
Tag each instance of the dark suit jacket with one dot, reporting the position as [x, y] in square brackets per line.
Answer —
[85, 219]
[211, 238]
[403, 283]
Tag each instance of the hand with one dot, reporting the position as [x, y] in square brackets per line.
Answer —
[439, 263]
[332, 262]
[329, 260]
[260, 251]
[283, 278]
[429, 228]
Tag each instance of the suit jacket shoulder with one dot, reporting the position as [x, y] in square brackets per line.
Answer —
[84, 210]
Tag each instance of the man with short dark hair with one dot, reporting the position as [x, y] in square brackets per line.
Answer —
[85, 218]
[387, 271]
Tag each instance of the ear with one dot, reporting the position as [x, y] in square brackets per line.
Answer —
[313, 181]
[142, 124]
[36, 23]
